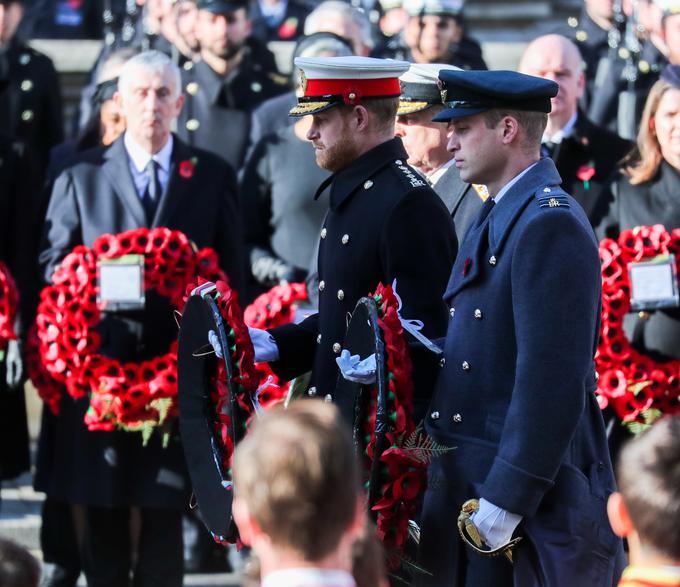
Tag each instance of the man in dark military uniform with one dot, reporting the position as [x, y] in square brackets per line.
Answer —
[586, 155]
[236, 73]
[385, 224]
[425, 142]
[434, 33]
[515, 395]
[30, 99]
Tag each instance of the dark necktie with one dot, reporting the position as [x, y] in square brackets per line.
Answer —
[153, 191]
[484, 211]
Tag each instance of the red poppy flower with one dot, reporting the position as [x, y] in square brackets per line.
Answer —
[186, 169]
[585, 172]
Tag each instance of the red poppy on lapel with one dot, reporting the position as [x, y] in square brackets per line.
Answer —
[466, 267]
[288, 29]
[186, 168]
[585, 173]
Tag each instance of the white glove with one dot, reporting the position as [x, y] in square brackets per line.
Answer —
[14, 363]
[215, 342]
[495, 525]
[354, 369]
[264, 345]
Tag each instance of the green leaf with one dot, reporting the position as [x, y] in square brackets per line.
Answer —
[422, 447]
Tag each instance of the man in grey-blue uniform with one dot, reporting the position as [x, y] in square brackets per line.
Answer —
[515, 392]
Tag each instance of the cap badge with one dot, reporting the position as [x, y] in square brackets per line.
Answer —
[303, 81]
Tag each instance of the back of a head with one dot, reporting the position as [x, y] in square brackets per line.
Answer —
[649, 480]
[18, 568]
[297, 473]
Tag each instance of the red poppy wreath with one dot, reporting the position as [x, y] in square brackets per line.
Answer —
[403, 474]
[9, 303]
[132, 396]
[269, 310]
[638, 388]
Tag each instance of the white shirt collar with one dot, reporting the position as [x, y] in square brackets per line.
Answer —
[564, 132]
[308, 577]
[512, 182]
[140, 158]
[437, 174]
[276, 12]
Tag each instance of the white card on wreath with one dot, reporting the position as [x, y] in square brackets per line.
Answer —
[653, 283]
[121, 283]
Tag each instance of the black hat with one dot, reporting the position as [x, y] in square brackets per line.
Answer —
[671, 75]
[221, 6]
[466, 93]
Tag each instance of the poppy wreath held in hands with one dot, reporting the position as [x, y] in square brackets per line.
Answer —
[9, 305]
[269, 310]
[403, 470]
[638, 388]
[132, 396]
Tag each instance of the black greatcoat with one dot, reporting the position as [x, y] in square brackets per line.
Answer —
[96, 196]
[30, 101]
[384, 223]
[589, 145]
[216, 115]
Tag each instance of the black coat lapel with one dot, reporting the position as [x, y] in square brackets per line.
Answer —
[117, 170]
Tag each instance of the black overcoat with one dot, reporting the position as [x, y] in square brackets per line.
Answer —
[96, 196]
[384, 224]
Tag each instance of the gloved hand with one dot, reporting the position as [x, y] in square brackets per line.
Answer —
[14, 363]
[495, 524]
[264, 345]
[354, 369]
[215, 343]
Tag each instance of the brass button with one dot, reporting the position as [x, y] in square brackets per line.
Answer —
[368, 185]
[452, 311]
[24, 59]
[256, 87]
[345, 239]
[341, 294]
[398, 162]
[546, 190]
[322, 285]
[581, 36]
[188, 66]
[318, 339]
[328, 398]
[466, 366]
[192, 88]
[478, 314]
[192, 125]
[311, 391]
[337, 347]
[26, 85]
[492, 260]
[323, 232]
[442, 361]
[27, 115]
[434, 415]
[352, 96]
[457, 418]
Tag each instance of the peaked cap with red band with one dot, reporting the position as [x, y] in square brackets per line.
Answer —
[327, 81]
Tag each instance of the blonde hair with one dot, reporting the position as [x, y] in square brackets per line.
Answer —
[297, 473]
[643, 163]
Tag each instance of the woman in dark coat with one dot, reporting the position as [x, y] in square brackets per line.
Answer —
[647, 193]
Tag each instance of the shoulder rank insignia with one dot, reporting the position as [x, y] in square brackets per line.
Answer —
[552, 198]
[414, 179]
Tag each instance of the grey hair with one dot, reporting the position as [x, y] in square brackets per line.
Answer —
[344, 10]
[151, 61]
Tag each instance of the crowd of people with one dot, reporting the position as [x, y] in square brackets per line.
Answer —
[389, 155]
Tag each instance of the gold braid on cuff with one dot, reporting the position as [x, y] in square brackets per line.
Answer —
[470, 535]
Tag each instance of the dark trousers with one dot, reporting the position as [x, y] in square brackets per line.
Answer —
[107, 549]
[59, 544]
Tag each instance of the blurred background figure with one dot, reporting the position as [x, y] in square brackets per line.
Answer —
[586, 155]
[434, 33]
[185, 14]
[646, 193]
[393, 19]
[236, 73]
[344, 20]
[278, 20]
[18, 567]
[282, 218]
[426, 143]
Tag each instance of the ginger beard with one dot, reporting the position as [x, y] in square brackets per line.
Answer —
[333, 141]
